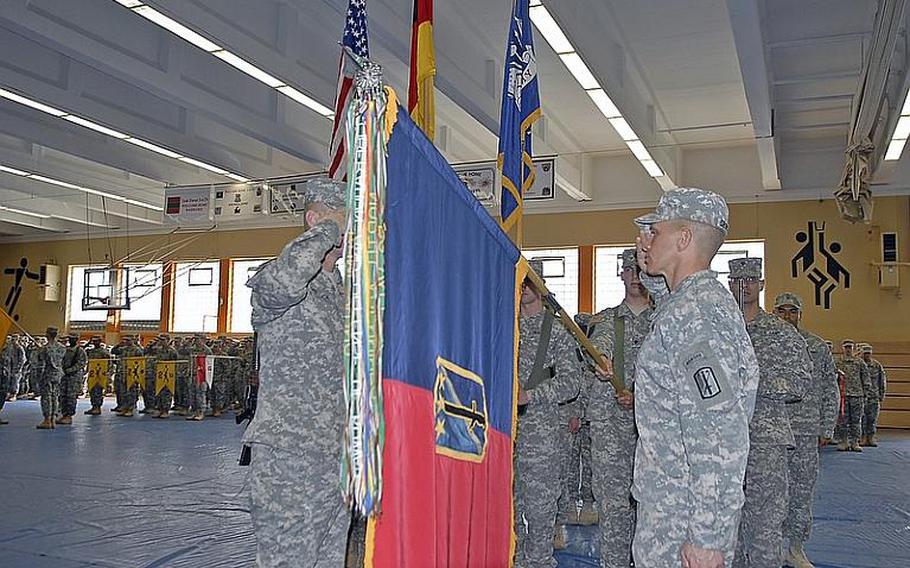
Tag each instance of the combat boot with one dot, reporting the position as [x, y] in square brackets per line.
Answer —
[864, 441]
[855, 447]
[3, 422]
[216, 413]
[796, 557]
[126, 413]
[46, 424]
[163, 414]
[843, 447]
[93, 411]
[65, 420]
[872, 443]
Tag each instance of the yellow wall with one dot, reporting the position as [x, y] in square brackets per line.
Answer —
[862, 312]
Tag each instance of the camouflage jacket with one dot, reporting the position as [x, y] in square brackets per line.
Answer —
[74, 361]
[695, 381]
[49, 365]
[817, 413]
[601, 395]
[298, 312]
[878, 379]
[785, 374]
[857, 382]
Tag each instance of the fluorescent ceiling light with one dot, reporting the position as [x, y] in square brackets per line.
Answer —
[60, 183]
[235, 177]
[154, 148]
[129, 3]
[652, 168]
[603, 102]
[623, 129]
[549, 29]
[579, 70]
[30, 103]
[176, 28]
[23, 212]
[81, 221]
[906, 108]
[902, 130]
[306, 101]
[639, 150]
[32, 225]
[13, 171]
[203, 165]
[895, 148]
[94, 126]
[248, 68]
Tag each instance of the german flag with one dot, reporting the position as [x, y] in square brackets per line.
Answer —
[423, 68]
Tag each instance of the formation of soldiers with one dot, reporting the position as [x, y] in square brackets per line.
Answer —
[55, 368]
[590, 429]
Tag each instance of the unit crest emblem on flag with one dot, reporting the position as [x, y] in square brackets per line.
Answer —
[461, 412]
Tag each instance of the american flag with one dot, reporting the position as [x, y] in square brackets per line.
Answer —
[355, 38]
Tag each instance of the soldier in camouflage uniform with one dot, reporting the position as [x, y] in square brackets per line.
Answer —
[298, 512]
[785, 375]
[96, 394]
[613, 435]
[149, 399]
[812, 423]
[119, 375]
[695, 381]
[74, 361]
[537, 444]
[6, 373]
[221, 377]
[879, 383]
[184, 372]
[49, 371]
[242, 374]
[857, 385]
[130, 393]
[34, 378]
[164, 352]
[199, 388]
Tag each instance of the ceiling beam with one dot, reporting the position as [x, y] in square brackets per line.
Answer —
[745, 21]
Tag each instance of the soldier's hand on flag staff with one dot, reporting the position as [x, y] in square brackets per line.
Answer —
[523, 397]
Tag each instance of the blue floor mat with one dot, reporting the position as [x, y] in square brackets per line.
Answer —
[138, 492]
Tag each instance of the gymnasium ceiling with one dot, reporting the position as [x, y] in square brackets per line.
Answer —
[749, 97]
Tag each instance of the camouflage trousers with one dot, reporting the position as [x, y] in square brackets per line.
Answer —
[197, 396]
[130, 397]
[25, 384]
[298, 514]
[853, 418]
[182, 391]
[237, 391]
[613, 454]
[661, 530]
[50, 393]
[70, 389]
[219, 393]
[870, 417]
[163, 399]
[97, 395]
[149, 398]
[576, 471]
[120, 390]
[765, 508]
[803, 473]
[6, 385]
[536, 488]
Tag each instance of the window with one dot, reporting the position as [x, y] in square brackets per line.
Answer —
[241, 309]
[608, 287]
[195, 297]
[145, 297]
[560, 269]
[79, 318]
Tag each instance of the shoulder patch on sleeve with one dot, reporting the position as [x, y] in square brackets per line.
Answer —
[706, 378]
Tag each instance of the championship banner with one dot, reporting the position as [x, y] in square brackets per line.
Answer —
[205, 369]
[135, 372]
[449, 369]
[165, 376]
[97, 373]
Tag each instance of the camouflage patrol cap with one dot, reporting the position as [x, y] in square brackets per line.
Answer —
[865, 348]
[829, 343]
[788, 299]
[628, 259]
[326, 191]
[689, 204]
[536, 265]
[52, 330]
[848, 342]
[749, 267]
